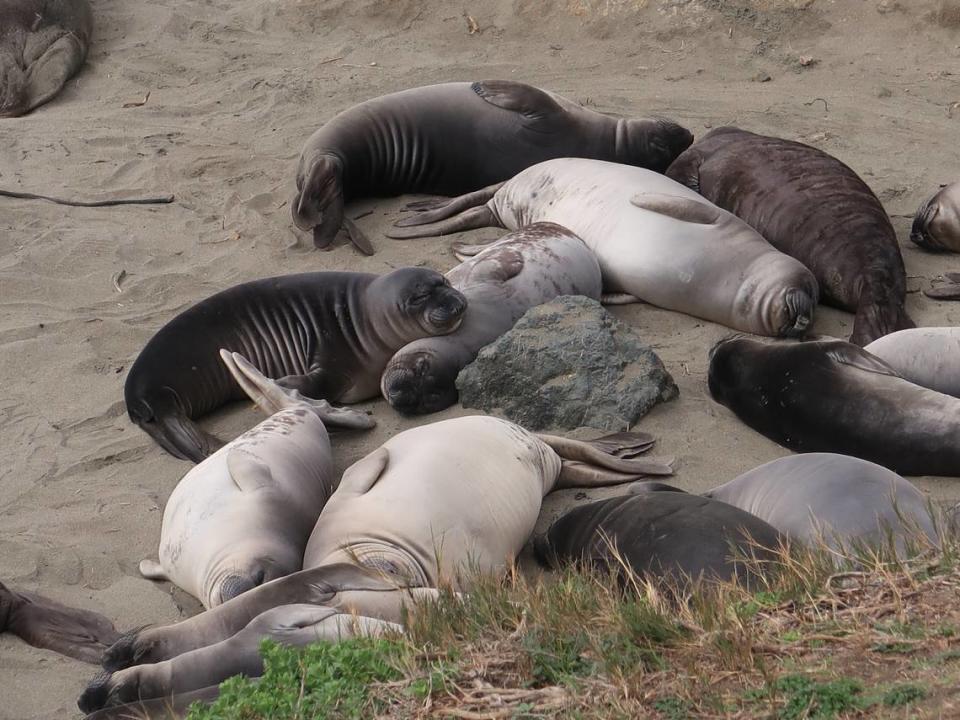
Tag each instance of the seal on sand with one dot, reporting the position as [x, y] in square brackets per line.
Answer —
[243, 516]
[840, 500]
[655, 239]
[43, 43]
[660, 535]
[833, 396]
[811, 206]
[457, 137]
[472, 489]
[523, 269]
[928, 356]
[326, 334]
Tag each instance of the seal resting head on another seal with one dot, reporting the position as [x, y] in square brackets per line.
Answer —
[43, 43]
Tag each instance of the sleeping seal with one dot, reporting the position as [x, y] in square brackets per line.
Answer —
[927, 356]
[524, 268]
[457, 137]
[327, 334]
[833, 396]
[841, 500]
[655, 239]
[671, 536]
[243, 516]
[43, 43]
[809, 205]
[291, 625]
[936, 226]
[470, 489]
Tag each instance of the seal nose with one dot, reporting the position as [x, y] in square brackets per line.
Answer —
[799, 312]
[400, 386]
[234, 585]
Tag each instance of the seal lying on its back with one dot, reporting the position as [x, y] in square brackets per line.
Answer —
[813, 207]
[470, 490]
[243, 516]
[660, 535]
[456, 137]
[840, 499]
[43, 43]
[327, 334]
[936, 226]
[927, 356]
[525, 268]
[832, 396]
[656, 241]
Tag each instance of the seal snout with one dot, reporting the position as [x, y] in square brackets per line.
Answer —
[234, 585]
[96, 695]
[448, 308]
[798, 306]
[414, 386]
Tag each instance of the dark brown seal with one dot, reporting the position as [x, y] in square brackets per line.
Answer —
[810, 205]
[832, 396]
[453, 138]
[328, 335]
[936, 226]
[43, 43]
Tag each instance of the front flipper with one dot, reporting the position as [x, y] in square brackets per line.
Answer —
[849, 354]
[949, 291]
[462, 251]
[358, 237]
[48, 625]
[538, 108]
[47, 75]
[684, 209]
[271, 397]
[181, 437]
[619, 299]
[450, 207]
[363, 474]
[153, 570]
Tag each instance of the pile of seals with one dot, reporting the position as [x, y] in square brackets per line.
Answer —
[744, 230]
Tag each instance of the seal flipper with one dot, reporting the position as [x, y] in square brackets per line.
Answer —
[471, 219]
[248, 473]
[363, 474]
[584, 464]
[358, 237]
[536, 106]
[619, 299]
[854, 356]
[685, 209]
[181, 437]
[152, 570]
[876, 318]
[450, 207]
[950, 291]
[462, 251]
[45, 624]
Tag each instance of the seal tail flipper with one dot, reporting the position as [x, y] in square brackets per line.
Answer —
[153, 570]
[451, 207]
[574, 473]
[619, 299]
[271, 397]
[624, 444]
[584, 464]
[463, 251]
[47, 75]
[421, 205]
[471, 219]
[181, 437]
[949, 291]
[45, 624]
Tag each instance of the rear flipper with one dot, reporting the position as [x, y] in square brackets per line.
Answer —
[180, 436]
[462, 251]
[48, 625]
[614, 461]
[451, 207]
[475, 217]
[271, 397]
[422, 205]
[949, 291]
[619, 299]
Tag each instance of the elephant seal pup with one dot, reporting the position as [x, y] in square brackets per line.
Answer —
[927, 356]
[243, 516]
[43, 43]
[936, 226]
[656, 241]
[327, 334]
[524, 268]
[813, 207]
[292, 625]
[45, 624]
[457, 137]
[833, 396]
[471, 490]
[668, 536]
[843, 501]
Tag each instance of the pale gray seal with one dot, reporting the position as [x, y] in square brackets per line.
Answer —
[927, 356]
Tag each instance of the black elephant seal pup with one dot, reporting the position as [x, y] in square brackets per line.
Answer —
[839, 500]
[325, 334]
[833, 396]
[43, 43]
[936, 226]
[46, 624]
[524, 268]
[661, 535]
[809, 205]
[456, 137]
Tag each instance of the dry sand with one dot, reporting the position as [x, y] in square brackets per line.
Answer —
[236, 88]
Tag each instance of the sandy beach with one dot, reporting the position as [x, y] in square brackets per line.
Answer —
[234, 91]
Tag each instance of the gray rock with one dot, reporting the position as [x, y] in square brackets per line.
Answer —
[566, 364]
